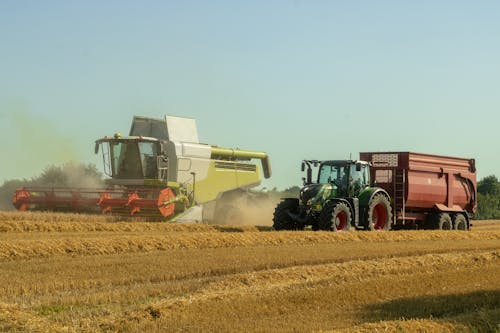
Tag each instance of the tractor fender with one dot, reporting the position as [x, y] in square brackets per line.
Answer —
[368, 193]
[366, 196]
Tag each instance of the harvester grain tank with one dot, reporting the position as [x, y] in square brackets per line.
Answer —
[161, 170]
[382, 191]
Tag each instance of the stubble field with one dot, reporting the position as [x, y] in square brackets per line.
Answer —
[71, 273]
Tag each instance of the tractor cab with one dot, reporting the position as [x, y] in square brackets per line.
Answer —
[346, 178]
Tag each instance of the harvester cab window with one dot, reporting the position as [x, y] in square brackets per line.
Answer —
[126, 160]
[148, 151]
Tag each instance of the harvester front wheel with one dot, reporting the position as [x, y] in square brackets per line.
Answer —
[379, 213]
[281, 219]
[335, 216]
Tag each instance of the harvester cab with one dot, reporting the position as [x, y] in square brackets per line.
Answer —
[132, 157]
[339, 197]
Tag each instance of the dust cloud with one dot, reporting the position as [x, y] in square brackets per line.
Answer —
[254, 209]
[31, 141]
[77, 175]
[260, 214]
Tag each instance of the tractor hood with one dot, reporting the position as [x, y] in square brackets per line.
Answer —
[309, 191]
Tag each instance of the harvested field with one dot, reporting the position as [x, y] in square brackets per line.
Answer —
[77, 273]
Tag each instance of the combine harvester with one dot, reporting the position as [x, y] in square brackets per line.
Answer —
[161, 171]
[382, 191]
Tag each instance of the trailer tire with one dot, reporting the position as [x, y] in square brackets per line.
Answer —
[281, 219]
[442, 221]
[460, 222]
[379, 213]
[335, 216]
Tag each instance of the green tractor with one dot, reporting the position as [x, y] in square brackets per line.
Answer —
[341, 198]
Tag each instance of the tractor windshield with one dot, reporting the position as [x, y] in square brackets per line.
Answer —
[334, 174]
[350, 177]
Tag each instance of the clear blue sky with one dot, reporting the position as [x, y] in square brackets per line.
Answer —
[298, 79]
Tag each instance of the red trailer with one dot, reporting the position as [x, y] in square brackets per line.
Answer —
[427, 191]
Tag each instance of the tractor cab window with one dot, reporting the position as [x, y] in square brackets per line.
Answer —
[358, 179]
[334, 174]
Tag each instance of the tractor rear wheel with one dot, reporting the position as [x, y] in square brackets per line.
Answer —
[335, 216]
[459, 222]
[379, 213]
[281, 219]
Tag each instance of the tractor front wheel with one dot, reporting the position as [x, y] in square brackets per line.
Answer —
[335, 216]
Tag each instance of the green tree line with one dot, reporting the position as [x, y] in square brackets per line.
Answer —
[488, 198]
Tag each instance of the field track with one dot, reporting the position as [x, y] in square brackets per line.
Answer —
[72, 273]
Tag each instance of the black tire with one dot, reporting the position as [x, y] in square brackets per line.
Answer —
[335, 216]
[379, 213]
[460, 222]
[442, 221]
[281, 219]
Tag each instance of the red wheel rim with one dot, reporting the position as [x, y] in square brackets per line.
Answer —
[379, 216]
[340, 221]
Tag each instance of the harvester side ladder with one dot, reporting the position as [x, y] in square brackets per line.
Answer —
[399, 194]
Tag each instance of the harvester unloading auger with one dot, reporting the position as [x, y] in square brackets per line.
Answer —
[162, 171]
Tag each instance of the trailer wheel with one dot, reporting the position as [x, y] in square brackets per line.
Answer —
[459, 222]
[379, 213]
[335, 216]
[281, 219]
[442, 221]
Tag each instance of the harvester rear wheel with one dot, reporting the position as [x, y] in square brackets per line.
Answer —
[379, 213]
[459, 222]
[281, 219]
[335, 216]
